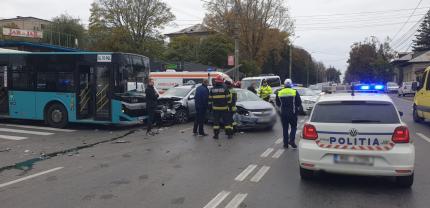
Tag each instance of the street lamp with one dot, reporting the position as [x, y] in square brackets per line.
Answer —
[291, 56]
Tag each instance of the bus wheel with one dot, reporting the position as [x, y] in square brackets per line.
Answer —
[56, 116]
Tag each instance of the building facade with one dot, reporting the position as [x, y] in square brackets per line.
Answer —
[25, 23]
[410, 66]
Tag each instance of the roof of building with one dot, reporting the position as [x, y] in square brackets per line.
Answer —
[424, 57]
[198, 28]
[357, 97]
[28, 17]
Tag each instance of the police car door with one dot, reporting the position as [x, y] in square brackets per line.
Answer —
[191, 102]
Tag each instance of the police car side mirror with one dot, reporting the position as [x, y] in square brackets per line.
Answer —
[400, 113]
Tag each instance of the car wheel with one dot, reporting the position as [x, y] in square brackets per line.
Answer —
[399, 94]
[181, 116]
[405, 181]
[56, 116]
[416, 117]
[306, 174]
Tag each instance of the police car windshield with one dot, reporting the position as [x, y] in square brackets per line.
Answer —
[355, 112]
[245, 95]
[306, 92]
[177, 92]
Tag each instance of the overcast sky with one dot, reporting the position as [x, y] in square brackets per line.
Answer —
[326, 28]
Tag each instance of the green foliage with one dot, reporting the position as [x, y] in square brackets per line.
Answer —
[333, 75]
[129, 26]
[249, 68]
[369, 61]
[212, 50]
[63, 31]
[422, 41]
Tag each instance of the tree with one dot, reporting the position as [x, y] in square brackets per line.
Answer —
[333, 75]
[65, 30]
[183, 48]
[135, 24]
[422, 39]
[215, 49]
[369, 61]
[254, 22]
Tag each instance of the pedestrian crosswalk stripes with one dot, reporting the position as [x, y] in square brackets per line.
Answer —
[17, 132]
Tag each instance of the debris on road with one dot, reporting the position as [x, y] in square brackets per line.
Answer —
[6, 150]
[26, 151]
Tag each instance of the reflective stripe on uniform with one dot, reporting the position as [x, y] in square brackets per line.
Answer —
[287, 92]
[220, 108]
[228, 127]
[216, 127]
[219, 97]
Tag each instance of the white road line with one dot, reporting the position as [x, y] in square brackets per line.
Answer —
[423, 137]
[26, 132]
[236, 201]
[267, 152]
[257, 177]
[183, 130]
[16, 138]
[278, 153]
[279, 141]
[217, 199]
[40, 128]
[29, 177]
[245, 172]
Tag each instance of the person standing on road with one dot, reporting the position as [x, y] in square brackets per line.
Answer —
[232, 107]
[219, 101]
[151, 105]
[252, 88]
[265, 91]
[201, 103]
[288, 99]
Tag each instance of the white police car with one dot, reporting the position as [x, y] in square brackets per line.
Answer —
[360, 135]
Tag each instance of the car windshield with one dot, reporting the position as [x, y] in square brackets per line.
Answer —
[177, 92]
[391, 84]
[306, 92]
[355, 112]
[246, 95]
[247, 83]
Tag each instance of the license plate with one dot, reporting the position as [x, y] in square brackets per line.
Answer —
[353, 159]
[263, 120]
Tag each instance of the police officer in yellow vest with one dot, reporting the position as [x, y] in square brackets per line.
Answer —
[265, 91]
[289, 101]
[232, 107]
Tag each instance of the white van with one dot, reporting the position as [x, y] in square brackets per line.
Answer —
[166, 80]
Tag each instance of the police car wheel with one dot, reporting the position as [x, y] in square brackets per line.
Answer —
[405, 181]
[306, 174]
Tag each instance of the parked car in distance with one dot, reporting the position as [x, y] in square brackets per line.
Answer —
[309, 98]
[273, 81]
[391, 87]
[406, 89]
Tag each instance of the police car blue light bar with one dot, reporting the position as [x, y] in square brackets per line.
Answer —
[369, 87]
[379, 87]
[364, 87]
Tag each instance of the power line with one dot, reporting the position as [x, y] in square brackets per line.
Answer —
[349, 26]
[404, 24]
[361, 13]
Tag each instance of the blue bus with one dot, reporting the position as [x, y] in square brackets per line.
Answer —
[78, 87]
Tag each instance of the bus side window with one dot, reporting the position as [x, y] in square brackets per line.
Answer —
[21, 78]
[428, 80]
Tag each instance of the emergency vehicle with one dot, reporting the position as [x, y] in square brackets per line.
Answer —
[421, 108]
[166, 80]
[358, 134]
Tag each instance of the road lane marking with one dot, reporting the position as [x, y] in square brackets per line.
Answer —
[245, 172]
[39, 128]
[423, 137]
[278, 153]
[257, 177]
[184, 130]
[217, 199]
[26, 132]
[16, 138]
[278, 141]
[267, 152]
[29, 177]
[236, 201]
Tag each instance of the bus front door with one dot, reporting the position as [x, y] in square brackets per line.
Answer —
[85, 98]
[102, 90]
[4, 98]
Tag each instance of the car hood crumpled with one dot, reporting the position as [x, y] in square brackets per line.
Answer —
[255, 105]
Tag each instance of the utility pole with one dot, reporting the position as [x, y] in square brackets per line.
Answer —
[291, 61]
[236, 42]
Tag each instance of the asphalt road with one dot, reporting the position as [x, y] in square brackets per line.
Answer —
[102, 166]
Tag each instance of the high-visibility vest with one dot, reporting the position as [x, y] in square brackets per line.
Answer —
[265, 92]
[220, 98]
[233, 93]
[287, 96]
